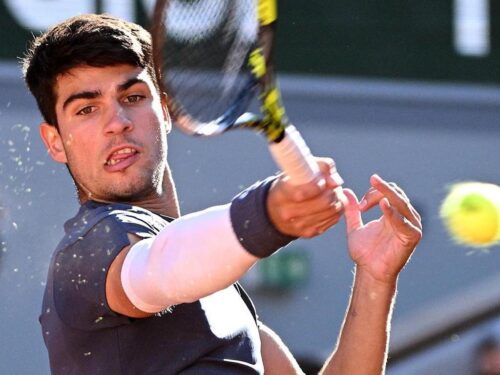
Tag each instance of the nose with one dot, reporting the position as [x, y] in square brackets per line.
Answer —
[118, 121]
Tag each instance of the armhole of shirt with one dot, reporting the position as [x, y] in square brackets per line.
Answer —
[248, 302]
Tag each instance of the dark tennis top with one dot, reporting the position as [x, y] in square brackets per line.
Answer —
[216, 335]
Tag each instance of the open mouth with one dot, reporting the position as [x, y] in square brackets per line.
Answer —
[120, 156]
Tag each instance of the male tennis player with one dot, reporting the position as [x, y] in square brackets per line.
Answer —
[135, 288]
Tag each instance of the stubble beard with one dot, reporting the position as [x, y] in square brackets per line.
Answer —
[142, 186]
[147, 187]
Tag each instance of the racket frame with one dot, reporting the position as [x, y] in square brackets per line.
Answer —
[286, 145]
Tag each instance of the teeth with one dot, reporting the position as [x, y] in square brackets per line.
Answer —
[126, 150]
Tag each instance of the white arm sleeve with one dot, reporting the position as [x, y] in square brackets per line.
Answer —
[194, 256]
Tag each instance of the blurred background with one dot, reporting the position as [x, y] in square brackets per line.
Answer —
[409, 90]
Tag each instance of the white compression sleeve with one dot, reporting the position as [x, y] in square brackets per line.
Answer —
[194, 256]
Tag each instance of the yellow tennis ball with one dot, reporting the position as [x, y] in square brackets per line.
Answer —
[471, 212]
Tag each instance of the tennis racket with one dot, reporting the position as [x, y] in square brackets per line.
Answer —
[213, 59]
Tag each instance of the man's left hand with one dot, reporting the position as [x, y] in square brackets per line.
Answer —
[382, 247]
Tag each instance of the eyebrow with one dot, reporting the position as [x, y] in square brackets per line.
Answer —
[129, 83]
[81, 95]
[96, 93]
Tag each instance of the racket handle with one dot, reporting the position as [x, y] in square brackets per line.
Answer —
[294, 157]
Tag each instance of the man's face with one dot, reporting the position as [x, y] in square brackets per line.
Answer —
[112, 132]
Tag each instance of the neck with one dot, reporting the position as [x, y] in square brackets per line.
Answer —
[165, 203]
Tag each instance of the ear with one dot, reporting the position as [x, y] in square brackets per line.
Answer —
[53, 141]
[166, 114]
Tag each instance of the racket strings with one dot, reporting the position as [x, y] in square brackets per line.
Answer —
[206, 48]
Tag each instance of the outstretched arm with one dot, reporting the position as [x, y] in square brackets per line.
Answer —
[201, 253]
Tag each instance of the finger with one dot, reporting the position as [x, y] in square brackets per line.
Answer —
[324, 226]
[418, 221]
[326, 165]
[328, 202]
[415, 213]
[351, 211]
[371, 198]
[399, 190]
[312, 223]
[395, 196]
[375, 196]
[400, 203]
[407, 200]
[339, 193]
[328, 169]
[399, 223]
[302, 192]
[318, 227]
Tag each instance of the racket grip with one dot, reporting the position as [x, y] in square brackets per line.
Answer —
[294, 157]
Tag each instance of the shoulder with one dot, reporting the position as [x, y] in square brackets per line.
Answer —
[92, 241]
[106, 219]
[95, 236]
[99, 232]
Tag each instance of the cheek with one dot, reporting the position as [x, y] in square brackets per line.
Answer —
[69, 142]
[80, 148]
[156, 130]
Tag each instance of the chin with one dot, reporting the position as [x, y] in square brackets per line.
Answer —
[131, 193]
[127, 195]
[125, 188]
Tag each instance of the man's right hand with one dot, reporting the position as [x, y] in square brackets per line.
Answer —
[310, 209]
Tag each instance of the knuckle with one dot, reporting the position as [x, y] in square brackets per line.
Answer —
[298, 196]
[331, 163]
[326, 200]
[327, 165]
[326, 160]
[394, 186]
[419, 235]
[286, 214]
[310, 232]
[415, 238]
[299, 226]
[337, 196]
[333, 222]
[335, 210]
[340, 210]
[338, 204]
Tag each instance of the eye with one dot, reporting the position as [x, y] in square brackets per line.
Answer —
[86, 111]
[134, 98]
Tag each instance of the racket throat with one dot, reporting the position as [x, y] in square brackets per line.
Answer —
[274, 131]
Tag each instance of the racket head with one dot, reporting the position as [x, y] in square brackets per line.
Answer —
[212, 70]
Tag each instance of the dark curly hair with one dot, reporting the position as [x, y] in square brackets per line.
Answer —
[90, 39]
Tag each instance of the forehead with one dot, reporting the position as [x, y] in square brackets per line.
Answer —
[102, 79]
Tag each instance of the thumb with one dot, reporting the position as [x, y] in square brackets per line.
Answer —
[302, 192]
[351, 211]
